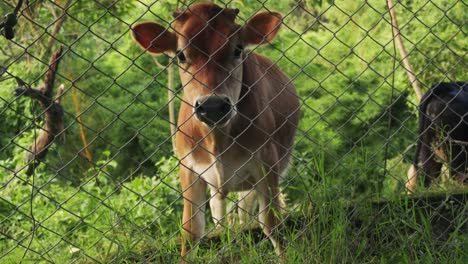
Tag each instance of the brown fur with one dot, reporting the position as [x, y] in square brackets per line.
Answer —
[253, 149]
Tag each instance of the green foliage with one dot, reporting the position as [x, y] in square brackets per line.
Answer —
[98, 219]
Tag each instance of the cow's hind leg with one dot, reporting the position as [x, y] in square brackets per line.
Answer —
[246, 206]
[412, 181]
[459, 163]
[268, 194]
[269, 215]
[431, 168]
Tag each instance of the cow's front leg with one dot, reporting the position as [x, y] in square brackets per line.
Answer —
[193, 220]
[217, 205]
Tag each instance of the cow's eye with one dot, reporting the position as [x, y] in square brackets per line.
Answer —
[181, 56]
[238, 52]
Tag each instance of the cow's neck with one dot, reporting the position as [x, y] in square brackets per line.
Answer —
[218, 140]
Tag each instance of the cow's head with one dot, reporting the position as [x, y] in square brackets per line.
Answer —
[209, 46]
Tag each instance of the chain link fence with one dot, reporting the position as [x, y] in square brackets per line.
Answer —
[88, 164]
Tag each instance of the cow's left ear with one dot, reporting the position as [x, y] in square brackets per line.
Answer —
[261, 28]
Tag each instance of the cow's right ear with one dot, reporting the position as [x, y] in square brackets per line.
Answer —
[154, 37]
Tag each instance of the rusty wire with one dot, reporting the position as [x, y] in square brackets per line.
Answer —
[67, 159]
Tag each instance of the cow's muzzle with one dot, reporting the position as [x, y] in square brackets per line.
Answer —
[213, 110]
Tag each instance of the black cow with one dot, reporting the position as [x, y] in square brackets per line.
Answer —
[442, 134]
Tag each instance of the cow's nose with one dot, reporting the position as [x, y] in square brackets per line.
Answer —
[213, 110]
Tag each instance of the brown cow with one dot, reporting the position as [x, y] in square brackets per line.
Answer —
[238, 116]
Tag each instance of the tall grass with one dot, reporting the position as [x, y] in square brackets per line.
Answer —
[139, 221]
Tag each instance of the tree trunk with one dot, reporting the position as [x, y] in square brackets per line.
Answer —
[171, 98]
[401, 48]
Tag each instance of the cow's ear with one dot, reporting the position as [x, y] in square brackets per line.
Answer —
[261, 28]
[154, 37]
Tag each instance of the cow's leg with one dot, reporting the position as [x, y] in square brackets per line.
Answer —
[459, 163]
[461, 178]
[246, 206]
[269, 207]
[193, 220]
[217, 205]
[269, 215]
[431, 168]
[412, 175]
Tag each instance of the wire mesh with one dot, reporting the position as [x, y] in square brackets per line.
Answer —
[104, 186]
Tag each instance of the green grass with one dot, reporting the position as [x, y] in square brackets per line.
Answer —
[139, 221]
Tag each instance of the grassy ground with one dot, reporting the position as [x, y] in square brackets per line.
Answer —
[139, 221]
[404, 231]
[426, 229]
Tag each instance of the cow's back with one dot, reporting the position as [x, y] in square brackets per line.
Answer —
[446, 105]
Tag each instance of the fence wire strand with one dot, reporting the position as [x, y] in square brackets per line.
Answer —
[375, 172]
